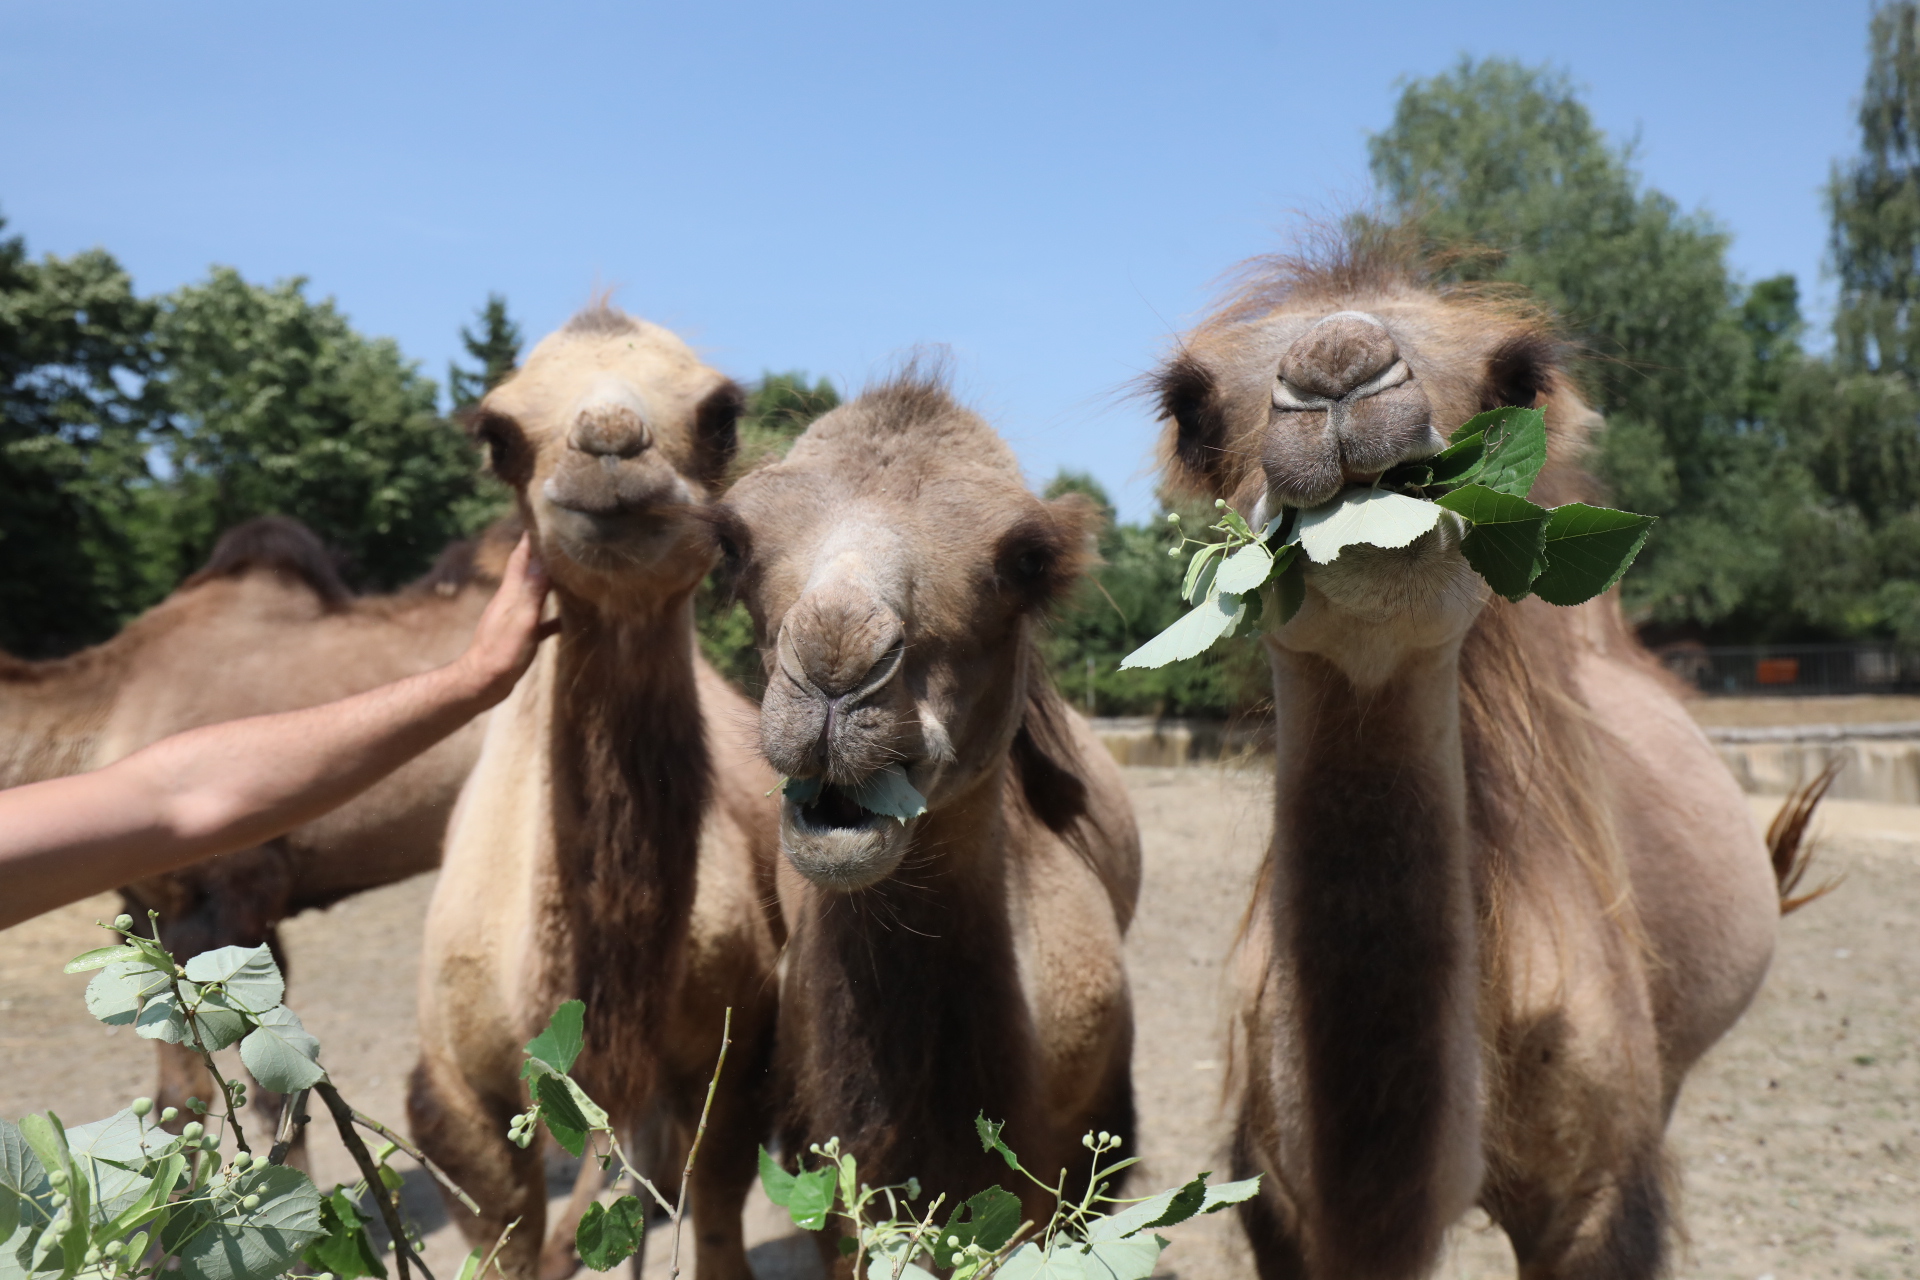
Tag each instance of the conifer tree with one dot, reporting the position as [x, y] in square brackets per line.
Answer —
[1875, 201]
[497, 349]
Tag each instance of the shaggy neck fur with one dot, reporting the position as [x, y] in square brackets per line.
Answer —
[631, 780]
[1373, 897]
[904, 1016]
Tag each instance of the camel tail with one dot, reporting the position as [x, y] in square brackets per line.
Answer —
[1787, 840]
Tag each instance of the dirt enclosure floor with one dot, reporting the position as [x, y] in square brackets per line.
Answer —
[1798, 1138]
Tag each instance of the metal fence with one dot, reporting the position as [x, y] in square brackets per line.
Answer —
[1791, 670]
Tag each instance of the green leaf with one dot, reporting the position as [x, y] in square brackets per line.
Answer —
[775, 1181]
[160, 1181]
[1171, 1207]
[1516, 449]
[988, 1220]
[1588, 549]
[1194, 588]
[1287, 589]
[280, 1053]
[802, 790]
[559, 1045]
[1505, 544]
[1245, 570]
[610, 1234]
[1230, 1193]
[1132, 1259]
[111, 1154]
[163, 1016]
[1192, 635]
[989, 1134]
[100, 957]
[811, 1197]
[886, 791]
[248, 975]
[24, 1189]
[562, 1116]
[471, 1266]
[1459, 462]
[219, 1240]
[1374, 517]
[117, 992]
[345, 1249]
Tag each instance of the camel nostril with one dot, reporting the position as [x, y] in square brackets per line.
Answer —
[1337, 356]
[610, 431]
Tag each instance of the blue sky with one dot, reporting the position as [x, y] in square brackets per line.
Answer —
[1049, 189]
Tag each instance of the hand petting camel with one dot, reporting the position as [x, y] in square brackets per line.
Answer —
[265, 626]
[232, 785]
[967, 958]
[1512, 894]
[615, 842]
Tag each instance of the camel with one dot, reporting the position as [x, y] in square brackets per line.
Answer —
[266, 625]
[1512, 895]
[968, 960]
[616, 839]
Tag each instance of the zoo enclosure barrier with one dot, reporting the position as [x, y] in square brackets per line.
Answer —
[1789, 670]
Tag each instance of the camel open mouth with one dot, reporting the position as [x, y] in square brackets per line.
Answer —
[848, 836]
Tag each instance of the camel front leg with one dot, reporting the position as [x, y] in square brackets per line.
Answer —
[462, 1126]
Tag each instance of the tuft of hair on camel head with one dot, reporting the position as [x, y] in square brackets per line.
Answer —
[1328, 366]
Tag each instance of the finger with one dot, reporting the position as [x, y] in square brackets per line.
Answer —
[551, 627]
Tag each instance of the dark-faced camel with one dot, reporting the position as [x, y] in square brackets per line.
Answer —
[967, 960]
[265, 626]
[616, 841]
[1512, 894]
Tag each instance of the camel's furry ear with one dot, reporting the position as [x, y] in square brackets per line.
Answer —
[1042, 753]
[716, 432]
[1197, 437]
[1521, 371]
[280, 545]
[509, 455]
[1043, 555]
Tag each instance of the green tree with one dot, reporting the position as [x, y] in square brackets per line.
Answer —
[281, 406]
[76, 419]
[496, 348]
[1504, 160]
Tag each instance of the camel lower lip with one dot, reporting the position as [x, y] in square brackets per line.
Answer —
[837, 856]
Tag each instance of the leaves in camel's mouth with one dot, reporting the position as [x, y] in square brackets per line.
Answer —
[885, 791]
[1565, 555]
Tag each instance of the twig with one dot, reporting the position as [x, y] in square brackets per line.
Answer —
[206, 1056]
[291, 1119]
[389, 1211]
[686, 1174]
[440, 1175]
[498, 1245]
[913, 1238]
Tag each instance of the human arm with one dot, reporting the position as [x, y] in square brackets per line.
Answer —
[231, 786]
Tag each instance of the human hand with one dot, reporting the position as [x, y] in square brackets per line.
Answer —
[510, 630]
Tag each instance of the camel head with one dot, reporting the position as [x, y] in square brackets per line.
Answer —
[613, 435]
[1317, 377]
[893, 564]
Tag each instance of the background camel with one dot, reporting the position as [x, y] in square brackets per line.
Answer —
[967, 960]
[265, 626]
[1512, 894]
[615, 842]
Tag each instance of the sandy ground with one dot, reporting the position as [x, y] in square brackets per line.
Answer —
[1798, 1138]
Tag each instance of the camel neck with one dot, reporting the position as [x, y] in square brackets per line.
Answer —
[1372, 902]
[911, 1003]
[631, 783]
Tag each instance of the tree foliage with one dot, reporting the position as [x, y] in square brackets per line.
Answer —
[496, 349]
[133, 430]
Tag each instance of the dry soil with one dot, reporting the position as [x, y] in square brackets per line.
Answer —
[1798, 1137]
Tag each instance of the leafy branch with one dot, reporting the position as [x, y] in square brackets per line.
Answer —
[1566, 555]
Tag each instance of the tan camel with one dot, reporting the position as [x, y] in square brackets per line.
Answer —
[265, 626]
[1512, 894]
[615, 843]
[968, 960]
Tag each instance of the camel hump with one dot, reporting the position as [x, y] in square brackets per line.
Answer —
[277, 544]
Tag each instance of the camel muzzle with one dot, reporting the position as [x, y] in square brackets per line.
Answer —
[1346, 408]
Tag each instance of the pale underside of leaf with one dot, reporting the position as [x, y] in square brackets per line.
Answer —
[1374, 517]
[1213, 617]
[886, 791]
